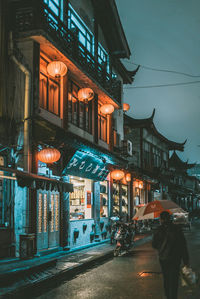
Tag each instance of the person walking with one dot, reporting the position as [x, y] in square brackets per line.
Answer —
[171, 244]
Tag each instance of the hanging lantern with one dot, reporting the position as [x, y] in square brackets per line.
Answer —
[57, 69]
[128, 177]
[126, 107]
[117, 174]
[85, 94]
[49, 155]
[140, 185]
[107, 109]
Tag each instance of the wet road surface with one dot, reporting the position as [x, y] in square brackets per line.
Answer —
[135, 275]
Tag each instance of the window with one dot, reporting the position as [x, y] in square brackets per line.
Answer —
[55, 6]
[102, 125]
[85, 36]
[146, 154]
[79, 113]
[103, 58]
[49, 90]
[81, 199]
[49, 94]
[156, 157]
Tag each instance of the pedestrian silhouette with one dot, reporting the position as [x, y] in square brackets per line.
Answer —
[170, 242]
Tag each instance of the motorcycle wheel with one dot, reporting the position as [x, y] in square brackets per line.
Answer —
[117, 251]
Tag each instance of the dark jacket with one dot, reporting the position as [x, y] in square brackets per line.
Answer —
[170, 242]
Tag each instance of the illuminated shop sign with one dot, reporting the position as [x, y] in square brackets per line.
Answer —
[87, 165]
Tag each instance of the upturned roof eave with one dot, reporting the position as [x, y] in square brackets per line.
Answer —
[149, 125]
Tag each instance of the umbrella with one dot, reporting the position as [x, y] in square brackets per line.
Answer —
[154, 208]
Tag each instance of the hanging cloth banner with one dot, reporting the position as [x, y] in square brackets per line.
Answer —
[87, 165]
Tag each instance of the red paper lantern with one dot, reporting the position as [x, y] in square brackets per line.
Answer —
[107, 109]
[49, 155]
[140, 185]
[126, 107]
[85, 94]
[117, 174]
[128, 177]
[56, 69]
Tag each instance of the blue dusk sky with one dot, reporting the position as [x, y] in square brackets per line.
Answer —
[164, 38]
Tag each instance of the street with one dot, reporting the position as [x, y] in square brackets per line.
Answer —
[136, 275]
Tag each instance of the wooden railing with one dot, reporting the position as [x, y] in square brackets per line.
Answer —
[32, 17]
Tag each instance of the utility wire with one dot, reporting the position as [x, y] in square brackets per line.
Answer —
[163, 85]
[164, 70]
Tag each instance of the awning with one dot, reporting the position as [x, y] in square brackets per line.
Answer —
[34, 181]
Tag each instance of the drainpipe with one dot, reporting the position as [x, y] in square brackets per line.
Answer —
[26, 120]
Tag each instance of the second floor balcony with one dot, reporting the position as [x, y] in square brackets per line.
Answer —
[35, 18]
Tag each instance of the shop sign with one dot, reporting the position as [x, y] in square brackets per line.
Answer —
[89, 166]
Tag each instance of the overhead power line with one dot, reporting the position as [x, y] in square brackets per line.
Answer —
[163, 85]
[164, 70]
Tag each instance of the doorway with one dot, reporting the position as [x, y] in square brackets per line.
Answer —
[48, 220]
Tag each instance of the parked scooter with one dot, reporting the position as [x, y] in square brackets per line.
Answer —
[125, 238]
[114, 228]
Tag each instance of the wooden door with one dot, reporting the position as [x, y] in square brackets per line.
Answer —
[48, 220]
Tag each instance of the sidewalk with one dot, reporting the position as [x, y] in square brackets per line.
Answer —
[20, 276]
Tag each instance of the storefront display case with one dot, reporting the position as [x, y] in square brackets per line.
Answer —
[116, 199]
[104, 199]
[80, 207]
[124, 199]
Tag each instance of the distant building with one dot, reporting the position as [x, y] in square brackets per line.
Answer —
[195, 171]
[150, 160]
[183, 188]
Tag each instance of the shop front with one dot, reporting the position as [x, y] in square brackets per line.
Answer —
[34, 212]
[89, 203]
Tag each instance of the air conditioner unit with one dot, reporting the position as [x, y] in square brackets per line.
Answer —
[127, 147]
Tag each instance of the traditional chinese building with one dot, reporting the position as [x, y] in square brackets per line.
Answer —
[61, 122]
[149, 162]
[183, 188]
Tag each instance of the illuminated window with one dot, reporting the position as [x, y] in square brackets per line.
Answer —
[79, 113]
[103, 58]
[85, 36]
[102, 125]
[49, 91]
[80, 199]
[55, 6]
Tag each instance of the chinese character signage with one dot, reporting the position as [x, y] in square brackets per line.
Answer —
[87, 165]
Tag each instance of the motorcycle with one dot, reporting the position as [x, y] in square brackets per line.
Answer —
[114, 228]
[125, 238]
